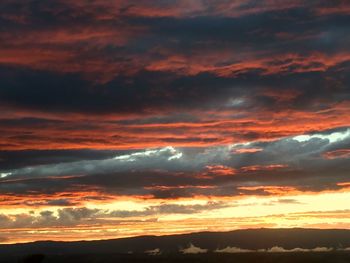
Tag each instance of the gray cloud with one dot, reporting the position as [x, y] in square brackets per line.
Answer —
[77, 216]
[174, 172]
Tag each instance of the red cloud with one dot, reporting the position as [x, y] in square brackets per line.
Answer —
[340, 153]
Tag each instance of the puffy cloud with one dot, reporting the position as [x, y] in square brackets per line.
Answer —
[75, 216]
[193, 250]
[3, 175]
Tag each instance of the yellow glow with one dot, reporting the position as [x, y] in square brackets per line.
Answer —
[302, 210]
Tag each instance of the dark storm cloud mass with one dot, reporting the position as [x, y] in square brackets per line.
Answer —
[16, 159]
[296, 162]
[176, 61]
[92, 93]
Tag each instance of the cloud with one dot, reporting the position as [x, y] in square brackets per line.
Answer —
[75, 216]
[139, 160]
[154, 252]
[131, 64]
[340, 153]
[285, 201]
[3, 175]
[3, 239]
[275, 249]
[282, 250]
[18, 159]
[233, 250]
[193, 250]
[170, 209]
[102, 100]
[283, 166]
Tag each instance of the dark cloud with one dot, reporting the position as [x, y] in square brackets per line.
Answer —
[208, 41]
[93, 94]
[296, 162]
[187, 93]
[170, 209]
[77, 216]
[17, 159]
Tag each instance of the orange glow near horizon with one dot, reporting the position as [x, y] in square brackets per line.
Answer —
[284, 212]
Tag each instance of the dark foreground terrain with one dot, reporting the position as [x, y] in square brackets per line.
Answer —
[308, 257]
[266, 246]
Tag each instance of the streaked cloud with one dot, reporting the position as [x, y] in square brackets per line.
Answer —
[176, 108]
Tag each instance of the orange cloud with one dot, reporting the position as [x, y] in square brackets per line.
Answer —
[218, 129]
[270, 167]
[246, 150]
[219, 170]
[340, 153]
[274, 190]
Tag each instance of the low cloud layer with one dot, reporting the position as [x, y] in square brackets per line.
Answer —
[77, 216]
[277, 249]
[192, 249]
[153, 252]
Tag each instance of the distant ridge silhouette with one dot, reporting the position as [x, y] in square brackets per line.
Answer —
[252, 239]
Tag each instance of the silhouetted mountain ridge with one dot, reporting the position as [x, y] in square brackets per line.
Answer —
[247, 239]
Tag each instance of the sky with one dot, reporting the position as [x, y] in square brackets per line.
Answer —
[126, 118]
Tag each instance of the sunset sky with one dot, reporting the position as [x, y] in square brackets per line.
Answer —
[125, 118]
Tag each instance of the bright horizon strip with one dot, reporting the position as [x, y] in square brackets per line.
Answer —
[247, 212]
